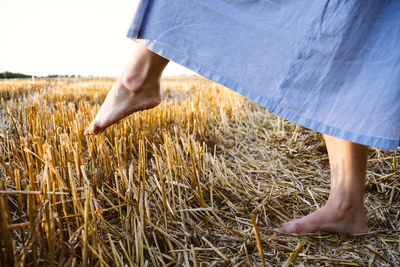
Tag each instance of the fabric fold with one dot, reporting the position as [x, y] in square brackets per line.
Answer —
[331, 66]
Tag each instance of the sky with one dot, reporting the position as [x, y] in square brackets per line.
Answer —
[68, 37]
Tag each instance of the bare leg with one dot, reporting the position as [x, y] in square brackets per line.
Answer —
[344, 211]
[138, 88]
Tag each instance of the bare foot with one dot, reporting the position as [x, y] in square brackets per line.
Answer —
[138, 88]
[122, 101]
[344, 211]
[328, 219]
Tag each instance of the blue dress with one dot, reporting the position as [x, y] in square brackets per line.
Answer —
[331, 66]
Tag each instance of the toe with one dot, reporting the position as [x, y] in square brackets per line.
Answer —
[96, 129]
[87, 131]
[91, 129]
[283, 228]
[292, 227]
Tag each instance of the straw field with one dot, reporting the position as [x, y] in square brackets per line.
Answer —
[200, 180]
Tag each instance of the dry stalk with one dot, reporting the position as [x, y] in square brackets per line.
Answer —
[174, 185]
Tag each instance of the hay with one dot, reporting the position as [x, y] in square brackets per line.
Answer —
[200, 180]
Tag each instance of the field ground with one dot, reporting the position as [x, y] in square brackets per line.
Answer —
[177, 185]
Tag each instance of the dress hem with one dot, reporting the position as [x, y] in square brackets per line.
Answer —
[275, 108]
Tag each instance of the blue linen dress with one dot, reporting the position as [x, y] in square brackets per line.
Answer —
[331, 66]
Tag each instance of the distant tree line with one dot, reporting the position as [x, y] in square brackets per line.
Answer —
[14, 75]
[62, 76]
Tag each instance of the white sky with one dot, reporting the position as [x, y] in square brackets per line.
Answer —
[85, 37]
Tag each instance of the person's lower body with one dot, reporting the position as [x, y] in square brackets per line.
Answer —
[138, 88]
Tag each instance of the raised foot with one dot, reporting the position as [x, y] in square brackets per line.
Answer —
[330, 220]
[122, 101]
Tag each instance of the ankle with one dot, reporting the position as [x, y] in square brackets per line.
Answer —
[137, 83]
[346, 207]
